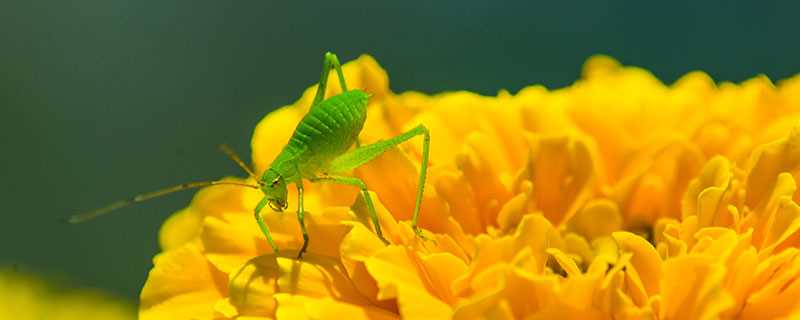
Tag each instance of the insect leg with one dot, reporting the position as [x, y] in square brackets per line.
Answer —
[364, 154]
[373, 215]
[423, 174]
[330, 62]
[263, 226]
[301, 218]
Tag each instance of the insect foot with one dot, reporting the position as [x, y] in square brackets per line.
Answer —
[385, 242]
[421, 235]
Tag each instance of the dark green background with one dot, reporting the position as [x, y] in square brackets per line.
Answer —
[101, 99]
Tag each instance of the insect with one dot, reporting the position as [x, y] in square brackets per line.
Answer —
[321, 149]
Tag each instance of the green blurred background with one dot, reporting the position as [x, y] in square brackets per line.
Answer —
[103, 99]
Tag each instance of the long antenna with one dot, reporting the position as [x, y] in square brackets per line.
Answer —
[232, 154]
[86, 216]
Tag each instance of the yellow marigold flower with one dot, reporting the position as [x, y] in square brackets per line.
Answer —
[616, 197]
[25, 297]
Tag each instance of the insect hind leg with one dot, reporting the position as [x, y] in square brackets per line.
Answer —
[331, 61]
[364, 154]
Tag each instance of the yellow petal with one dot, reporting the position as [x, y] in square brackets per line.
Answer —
[487, 304]
[534, 232]
[715, 175]
[784, 228]
[512, 211]
[606, 249]
[598, 218]
[254, 286]
[361, 250]
[303, 307]
[740, 278]
[691, 288]
[656, 178]
[325, 231]
[185, 225]
[579, 247]
[761, 219]
[26, 296]
[766, 163]
[562, 171]
[397, 277]
[356, 248]
[81, 306]
[484, 180]
[523, 292]
[181, 284]
[598, 66]
[645, 259]
[541, 111]
[460, 196]
[778, 297]
[441, 270]
[565, 262]
[180, 228]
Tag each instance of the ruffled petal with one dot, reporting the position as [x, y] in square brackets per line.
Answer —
[182, 284]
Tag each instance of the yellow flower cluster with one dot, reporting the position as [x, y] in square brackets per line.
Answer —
[25, 297]
[617, 197]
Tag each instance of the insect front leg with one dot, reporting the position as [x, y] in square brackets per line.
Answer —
[301, 219]
[373, 215]
[263, 226]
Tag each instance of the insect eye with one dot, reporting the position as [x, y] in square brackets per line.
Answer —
[275, 182]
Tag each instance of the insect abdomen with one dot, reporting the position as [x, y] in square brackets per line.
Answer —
[329, 129]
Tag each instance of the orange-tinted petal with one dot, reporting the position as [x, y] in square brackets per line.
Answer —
[691, 288]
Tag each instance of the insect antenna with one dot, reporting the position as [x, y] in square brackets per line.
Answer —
[232, 154]
[86, 216]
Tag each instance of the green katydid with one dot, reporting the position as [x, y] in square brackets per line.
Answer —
[319, 150]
